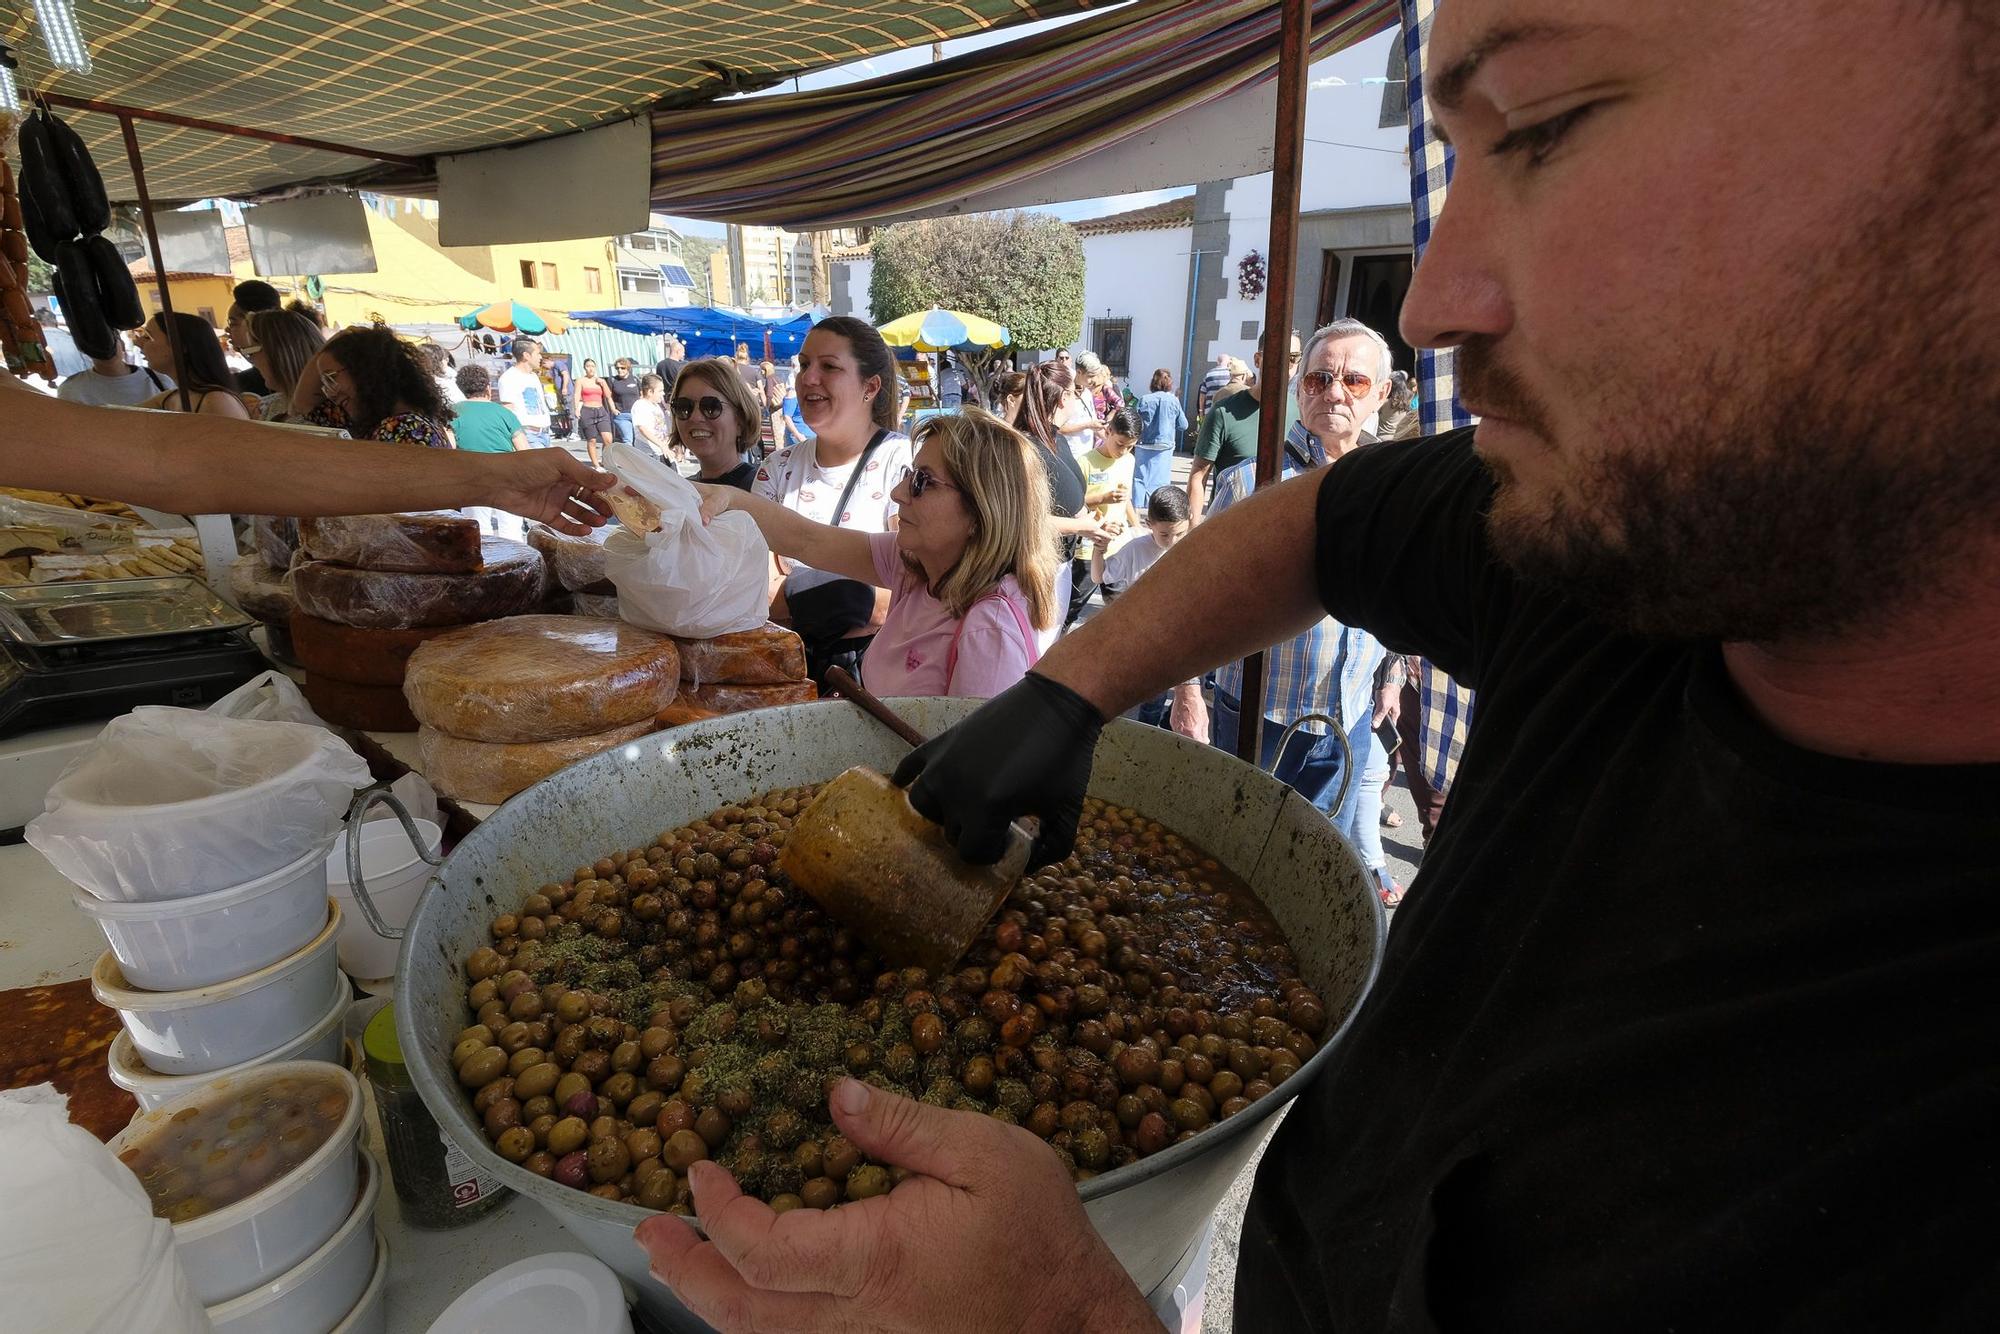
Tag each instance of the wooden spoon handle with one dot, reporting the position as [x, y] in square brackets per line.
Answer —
[840, 683]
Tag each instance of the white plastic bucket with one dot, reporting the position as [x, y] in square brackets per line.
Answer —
[318, 1291]
[204, 1029]
[321, 1042]
[172, 944]
[371, 1314]
[394, 874]
[251, 1242]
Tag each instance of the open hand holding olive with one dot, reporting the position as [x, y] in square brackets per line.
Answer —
[963, 1243]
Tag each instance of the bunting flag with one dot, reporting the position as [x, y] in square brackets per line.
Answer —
[1447, 706]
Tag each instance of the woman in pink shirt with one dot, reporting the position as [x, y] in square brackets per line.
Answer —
[970, 568]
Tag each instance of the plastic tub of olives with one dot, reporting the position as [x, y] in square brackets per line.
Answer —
[1151, 1212]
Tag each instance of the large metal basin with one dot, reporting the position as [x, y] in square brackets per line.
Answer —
[1150, 1212]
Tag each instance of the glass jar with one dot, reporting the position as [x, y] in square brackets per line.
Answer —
[438, 1183]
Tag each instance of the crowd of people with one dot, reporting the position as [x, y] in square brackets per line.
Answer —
[925, 553]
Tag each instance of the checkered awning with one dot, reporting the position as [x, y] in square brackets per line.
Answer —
[418, 77]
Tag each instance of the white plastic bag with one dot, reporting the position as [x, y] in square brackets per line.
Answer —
[689, 579]
[172, 802]
[272, 697]
[80, 1250]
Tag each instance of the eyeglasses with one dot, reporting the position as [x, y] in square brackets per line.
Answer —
[711, 407]
[328, 382]
[1319, 382]
[923, 479]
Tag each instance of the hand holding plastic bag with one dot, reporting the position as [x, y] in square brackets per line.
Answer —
[689, 579]
[172, 802]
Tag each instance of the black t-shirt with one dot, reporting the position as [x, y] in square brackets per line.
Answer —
[669, 371]
[1065, 489]
[251, 381]
[624, 392]
[739, 477]
[1681, 1028]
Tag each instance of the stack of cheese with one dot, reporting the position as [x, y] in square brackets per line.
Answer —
[260, 582]
[508, 703]
[734, 673]
[576, 564]
[371, 588]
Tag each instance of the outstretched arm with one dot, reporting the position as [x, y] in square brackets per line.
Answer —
[789, 533]
[197, 464]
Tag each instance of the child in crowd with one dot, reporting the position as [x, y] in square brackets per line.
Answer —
[1166, 523]
[1107, 480]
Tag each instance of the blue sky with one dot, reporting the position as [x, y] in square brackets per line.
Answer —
[895, 61]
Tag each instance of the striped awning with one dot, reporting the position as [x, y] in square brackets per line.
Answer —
[420, 77]
[924, 140]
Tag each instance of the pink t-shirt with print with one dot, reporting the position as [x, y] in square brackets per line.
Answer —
[912, 649]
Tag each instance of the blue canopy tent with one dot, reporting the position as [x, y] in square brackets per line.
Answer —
[708, 331]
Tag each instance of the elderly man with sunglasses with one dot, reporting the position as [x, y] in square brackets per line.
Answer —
[1331, 668]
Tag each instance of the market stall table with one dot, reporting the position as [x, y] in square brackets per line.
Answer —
[45, 939]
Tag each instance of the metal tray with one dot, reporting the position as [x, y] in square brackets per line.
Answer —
[98, 611]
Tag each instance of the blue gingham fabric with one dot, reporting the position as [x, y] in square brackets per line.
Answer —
[1328, 669]
[1447, 706]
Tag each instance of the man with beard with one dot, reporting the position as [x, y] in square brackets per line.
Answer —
[1692, 1027]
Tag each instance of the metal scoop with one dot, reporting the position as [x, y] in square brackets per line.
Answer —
[865, 855]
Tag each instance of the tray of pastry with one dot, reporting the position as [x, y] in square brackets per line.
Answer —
[118, 610]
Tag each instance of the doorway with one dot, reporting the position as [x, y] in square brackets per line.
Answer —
[1375, 291]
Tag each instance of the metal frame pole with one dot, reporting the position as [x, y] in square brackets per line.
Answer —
[131, 132]
[1274, 380]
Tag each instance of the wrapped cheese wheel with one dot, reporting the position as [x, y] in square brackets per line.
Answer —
[767, 656]
[684, 711]
[577, 563]
[719, 698]
[354, 655]
[541, 678]
[602, 605]
[434, 542]
[276, 539]
[510, 583]
[261, 591]
[490, 772]
[363, 708]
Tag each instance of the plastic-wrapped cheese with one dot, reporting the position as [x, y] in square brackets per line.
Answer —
[509, 583]
[767, 656]
[541, 678]
[354, 655]
[684, 710]
[577, 563]
[277, 539]
[433, 542]
[363, 708]
[261, 591]
[719, 698]
[490, 772]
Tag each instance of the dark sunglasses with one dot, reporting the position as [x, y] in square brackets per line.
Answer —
[923, 479]
[1318, 382]
[711, 407]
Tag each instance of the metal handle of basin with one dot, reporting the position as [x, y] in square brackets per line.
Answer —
[1333, 729]
[365, 801]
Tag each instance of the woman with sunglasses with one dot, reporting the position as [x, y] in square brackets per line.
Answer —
[192, 360]
[373, 385]
[716, 420]
[969, 570]
[649, 418]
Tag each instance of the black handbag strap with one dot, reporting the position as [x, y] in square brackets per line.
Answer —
[860, 466]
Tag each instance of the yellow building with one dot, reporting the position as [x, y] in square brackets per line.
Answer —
[202, 294]
[417, 280]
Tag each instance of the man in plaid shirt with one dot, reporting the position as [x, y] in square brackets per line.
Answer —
[1331, 668]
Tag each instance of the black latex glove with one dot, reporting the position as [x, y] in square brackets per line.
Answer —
[1026, 751]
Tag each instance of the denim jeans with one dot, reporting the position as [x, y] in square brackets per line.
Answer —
[1152, 468]
[623, 421]
[1311, 765]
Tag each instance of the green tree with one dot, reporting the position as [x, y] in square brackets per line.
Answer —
[695, 251]
[40, 277]
[1023, 270]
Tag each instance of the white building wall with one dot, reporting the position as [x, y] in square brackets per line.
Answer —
[850, 278]
[1143, 277]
